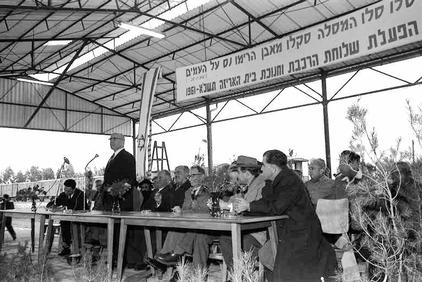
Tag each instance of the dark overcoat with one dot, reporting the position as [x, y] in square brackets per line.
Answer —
[302, 252]
[121, 167]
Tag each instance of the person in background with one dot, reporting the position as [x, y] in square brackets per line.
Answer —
[145, 186]
[7, 204]
[97, 197]
[319, 186]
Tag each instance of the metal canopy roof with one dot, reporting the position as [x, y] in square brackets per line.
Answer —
[103, 94]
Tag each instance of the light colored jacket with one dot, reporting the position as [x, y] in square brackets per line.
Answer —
[199, 203]
[254, 193]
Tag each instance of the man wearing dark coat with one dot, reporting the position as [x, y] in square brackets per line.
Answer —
[303, 255]
[182, 184]
[73, 199]
[161, 198]
[120, 168]
[7, 204]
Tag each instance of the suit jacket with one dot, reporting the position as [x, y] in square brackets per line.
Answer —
[179, 193]
[7, 205]
[301, 244]
[76, 202]
[196, 203]
[166, 200]
[121, 167]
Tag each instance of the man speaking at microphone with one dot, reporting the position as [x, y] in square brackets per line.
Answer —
[120, 168]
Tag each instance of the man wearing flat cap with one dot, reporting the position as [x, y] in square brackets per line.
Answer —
[248, 172]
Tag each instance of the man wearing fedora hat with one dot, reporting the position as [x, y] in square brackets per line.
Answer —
[248, 172]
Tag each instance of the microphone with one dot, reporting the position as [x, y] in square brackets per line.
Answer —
[66, 160]
[96, 156]
[85, 178]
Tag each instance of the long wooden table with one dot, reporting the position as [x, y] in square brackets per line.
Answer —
[25, 214]
[88, 217]
[194, 221]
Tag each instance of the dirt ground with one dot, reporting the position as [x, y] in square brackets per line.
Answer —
[61, 269]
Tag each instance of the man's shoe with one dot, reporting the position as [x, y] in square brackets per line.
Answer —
[156, 264]
[141, 266]
[64, 252]
[169, 259]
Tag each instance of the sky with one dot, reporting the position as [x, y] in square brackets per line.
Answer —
[299, 129]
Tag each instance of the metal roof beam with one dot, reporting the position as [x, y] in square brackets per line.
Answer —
[8, 14]
[29, 30]
[54, 85]
[131, 10]
[127, 58]
[70, 76]
[111, 20]
[89, 101]
[139, 100]
[17, 40]
[253, 18]
[189, 45]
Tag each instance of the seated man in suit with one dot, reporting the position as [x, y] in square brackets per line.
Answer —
[248, 175]
[181, 184]
[73, 199]
[195, 243]
[161, 198]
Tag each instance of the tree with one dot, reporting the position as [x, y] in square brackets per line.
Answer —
[383, 213]
[8, 175]
[34, 174]
[47, 173]
[20, 177]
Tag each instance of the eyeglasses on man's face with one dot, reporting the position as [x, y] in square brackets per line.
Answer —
[195, 174]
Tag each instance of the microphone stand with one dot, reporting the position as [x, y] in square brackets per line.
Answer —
[85, 178]
[59, 176]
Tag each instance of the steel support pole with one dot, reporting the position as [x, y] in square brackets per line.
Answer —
[209, 138]
[134, 137]
[326, 122]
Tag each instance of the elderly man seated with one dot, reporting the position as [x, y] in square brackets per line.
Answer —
[194, 243]
[246, 172]
[319, 186]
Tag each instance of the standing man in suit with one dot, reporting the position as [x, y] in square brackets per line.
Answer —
[73, 199]
[120, 167]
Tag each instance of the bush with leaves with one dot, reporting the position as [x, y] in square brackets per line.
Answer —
[93, 268]
[21, 267]
[385, 208]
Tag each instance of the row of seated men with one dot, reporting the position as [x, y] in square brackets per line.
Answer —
[188, 194]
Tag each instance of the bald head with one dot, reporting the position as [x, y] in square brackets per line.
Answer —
[117, 141]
